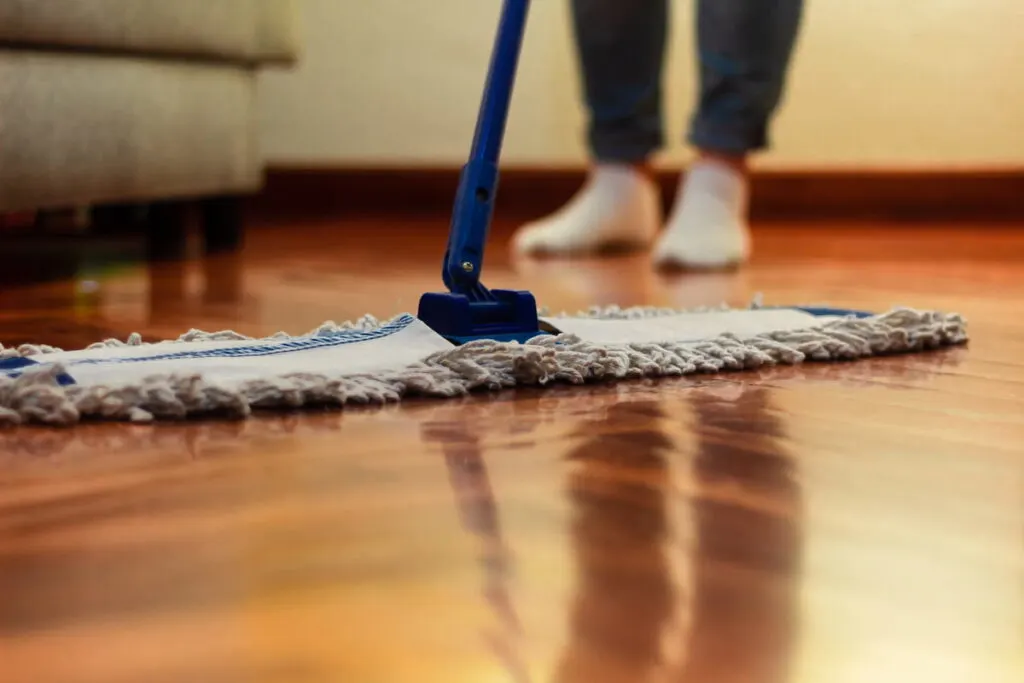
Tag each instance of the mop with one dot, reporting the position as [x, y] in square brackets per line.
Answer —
[468, 339]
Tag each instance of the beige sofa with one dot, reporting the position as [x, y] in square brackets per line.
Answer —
[121, 101]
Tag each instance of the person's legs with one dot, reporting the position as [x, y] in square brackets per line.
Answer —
[744, 49]
[621, 46]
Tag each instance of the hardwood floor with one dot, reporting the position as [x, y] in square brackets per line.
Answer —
[844, 523]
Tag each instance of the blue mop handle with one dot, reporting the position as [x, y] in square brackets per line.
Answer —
[474, 200]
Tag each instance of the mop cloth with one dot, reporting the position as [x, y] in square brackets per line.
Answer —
[371, 362]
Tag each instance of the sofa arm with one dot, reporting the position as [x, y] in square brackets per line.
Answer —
[276, 32]
[237, 31]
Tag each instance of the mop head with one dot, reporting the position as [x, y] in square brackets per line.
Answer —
[229, 375]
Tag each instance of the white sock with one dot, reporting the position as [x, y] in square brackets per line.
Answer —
[708, 225]
[618, 207]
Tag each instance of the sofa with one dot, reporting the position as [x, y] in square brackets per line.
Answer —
[120, 104]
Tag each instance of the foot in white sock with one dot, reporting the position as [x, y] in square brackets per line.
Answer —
[708, 225]
[617, 208]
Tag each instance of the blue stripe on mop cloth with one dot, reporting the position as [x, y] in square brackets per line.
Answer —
[821, 311]
[13, 367]
[271, 348]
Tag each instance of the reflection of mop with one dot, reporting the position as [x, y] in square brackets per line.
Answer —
[478, 511]
[467, 339]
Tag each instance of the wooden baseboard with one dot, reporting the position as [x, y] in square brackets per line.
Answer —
[941, 196]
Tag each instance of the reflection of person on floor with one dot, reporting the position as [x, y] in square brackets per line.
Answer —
[683, 574]
[622, 533]
[744, 49]
[748, 563]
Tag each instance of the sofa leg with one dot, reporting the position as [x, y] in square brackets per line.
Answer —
[223, 224]
[167, 231]
[117, 219]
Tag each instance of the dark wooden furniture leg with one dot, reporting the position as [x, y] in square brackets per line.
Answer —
[167, 231]
[223, 224]
[118, 219]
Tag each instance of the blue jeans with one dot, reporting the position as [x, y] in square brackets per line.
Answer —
[744, 49]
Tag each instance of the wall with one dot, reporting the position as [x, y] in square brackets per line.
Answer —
[875, 83]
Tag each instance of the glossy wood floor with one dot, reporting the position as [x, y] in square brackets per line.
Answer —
[824, 524]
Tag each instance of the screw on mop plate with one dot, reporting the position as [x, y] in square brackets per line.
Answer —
[469, 311]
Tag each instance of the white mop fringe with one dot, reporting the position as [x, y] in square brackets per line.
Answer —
[37, 396]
